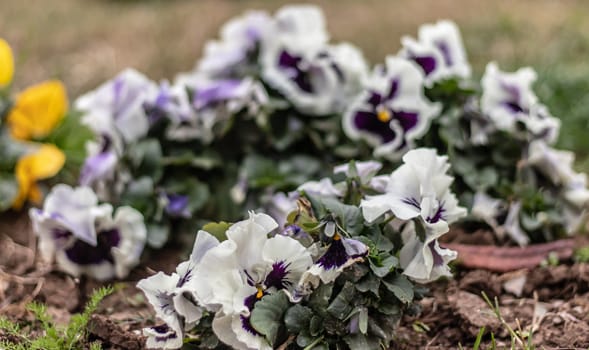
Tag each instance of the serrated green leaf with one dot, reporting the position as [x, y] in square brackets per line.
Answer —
[266, 317]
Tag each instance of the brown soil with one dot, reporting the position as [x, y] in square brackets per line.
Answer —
[551, 303]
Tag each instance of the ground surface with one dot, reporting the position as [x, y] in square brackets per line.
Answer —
[551, 301]
[87, 42]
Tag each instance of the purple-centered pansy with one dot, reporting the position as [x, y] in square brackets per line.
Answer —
[235, 54]
[392, 111]
[117, 106]
[420, 190]
[439, 52]
[173, 297]
[84, 237]
[508, 98]
[316, 80]
[330, 261]
[238, 272]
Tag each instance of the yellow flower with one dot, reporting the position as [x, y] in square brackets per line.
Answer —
[44, 163]
[6, 63]
[38, 110]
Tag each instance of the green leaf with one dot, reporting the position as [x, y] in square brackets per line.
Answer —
[319, 300]
[8, 191]
[217, 229]
[361, 342]
[266, 317]
[350, 216]
[401, 287]
[370, 283]
[384, 266]
[206, 160]
[138, 194]
[146, 157]
[297, 318]
[341, 306]
[157, 235]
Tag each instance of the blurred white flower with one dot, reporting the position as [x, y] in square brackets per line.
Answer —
[439, 52]
[173, 297]
[84, 238]
[508, 98]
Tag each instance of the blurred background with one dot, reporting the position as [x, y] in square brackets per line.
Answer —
[85, 42]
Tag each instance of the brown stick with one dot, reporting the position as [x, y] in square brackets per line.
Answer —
[503, 259]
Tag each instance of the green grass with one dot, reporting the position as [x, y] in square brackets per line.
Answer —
[52, 337]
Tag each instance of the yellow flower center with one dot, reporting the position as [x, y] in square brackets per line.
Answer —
[384, 115]
[260, 293]
[336, 237]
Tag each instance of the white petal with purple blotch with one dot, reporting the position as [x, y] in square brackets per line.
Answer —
[392, 111]
[508, 98]
[445, 37]
[119, 104]
[424, 261]
[163, 337]
[418, 188]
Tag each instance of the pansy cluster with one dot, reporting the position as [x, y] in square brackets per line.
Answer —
[34, 135]
[339, 272]
[258, 114]
[274, 103]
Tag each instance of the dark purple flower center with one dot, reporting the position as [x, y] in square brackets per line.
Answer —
[164, 333]
[250, 302]
[335, 256]
[377, 120]
[438, 215]
[277, 277]
[427, 63]
[293, 65]
[83, 253]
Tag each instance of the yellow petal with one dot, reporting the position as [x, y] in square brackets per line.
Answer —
[44, 163]
[6, 63]
[38, 110]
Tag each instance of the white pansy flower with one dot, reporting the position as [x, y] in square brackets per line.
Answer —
[508, 98]
[173, 297]
[84, 238]
[392, 111]
[424, 261]
[439, 52]
[241, 270]
[418, 188]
